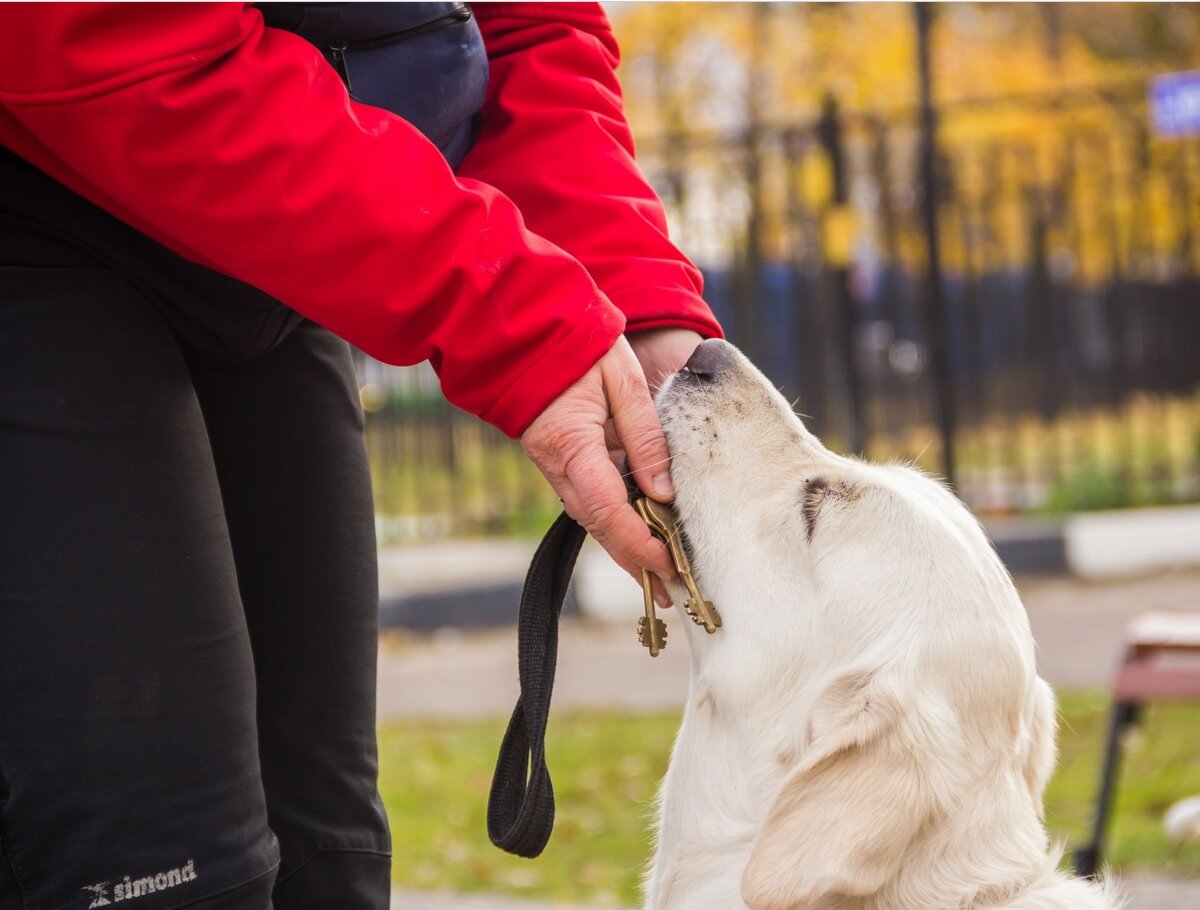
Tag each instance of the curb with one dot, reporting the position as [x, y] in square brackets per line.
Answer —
[1104, 545]
[478, 607]
[1030, 547]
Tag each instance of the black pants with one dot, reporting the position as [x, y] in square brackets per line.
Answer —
[188, 600]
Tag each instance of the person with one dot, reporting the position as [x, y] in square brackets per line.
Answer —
[197, 209]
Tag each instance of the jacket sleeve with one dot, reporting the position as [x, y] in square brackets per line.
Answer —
[556, 141]
[237, 146]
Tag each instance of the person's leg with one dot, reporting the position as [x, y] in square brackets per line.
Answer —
[128, 756]
[286, 432]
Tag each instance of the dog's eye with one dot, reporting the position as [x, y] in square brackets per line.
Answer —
[815, 491]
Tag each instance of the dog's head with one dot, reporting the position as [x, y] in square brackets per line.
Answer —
[783, 528]
[869, 595]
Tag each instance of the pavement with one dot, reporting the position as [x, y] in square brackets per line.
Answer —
[421, 900]
[468, 674]
[452, 672]
[1144, 893]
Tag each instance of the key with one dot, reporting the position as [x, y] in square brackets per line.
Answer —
[652, 631]
[702, 612]
[661, 519]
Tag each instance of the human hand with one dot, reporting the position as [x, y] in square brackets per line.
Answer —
[662, 352]
[567, 443]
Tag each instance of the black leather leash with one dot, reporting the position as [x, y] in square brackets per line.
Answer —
[520, 813]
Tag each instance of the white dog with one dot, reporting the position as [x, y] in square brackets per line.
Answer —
[867, 730]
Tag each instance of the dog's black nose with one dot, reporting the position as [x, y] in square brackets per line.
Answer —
[710, 357]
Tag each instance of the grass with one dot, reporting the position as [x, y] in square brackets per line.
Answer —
[1161, 766]
[435, 778]
[606, 767]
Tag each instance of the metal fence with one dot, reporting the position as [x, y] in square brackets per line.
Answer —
[1048, 361]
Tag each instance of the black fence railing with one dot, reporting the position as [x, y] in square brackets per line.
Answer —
[1069, 240]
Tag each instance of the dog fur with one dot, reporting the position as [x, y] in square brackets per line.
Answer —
[867, 731]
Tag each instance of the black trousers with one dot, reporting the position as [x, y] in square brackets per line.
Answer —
[188, 602]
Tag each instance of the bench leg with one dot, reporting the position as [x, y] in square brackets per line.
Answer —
[1087, 858]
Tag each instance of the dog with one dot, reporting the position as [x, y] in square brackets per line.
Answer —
[867, 731]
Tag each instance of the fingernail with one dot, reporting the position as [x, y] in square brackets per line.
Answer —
[662, 484]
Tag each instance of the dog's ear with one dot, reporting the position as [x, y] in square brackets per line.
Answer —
[844, 817]
[1041, 721]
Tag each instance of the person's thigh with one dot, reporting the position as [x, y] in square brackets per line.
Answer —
[286, 432]
[128, 755]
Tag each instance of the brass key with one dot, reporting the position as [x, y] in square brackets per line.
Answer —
[661, 519]
[652, 631]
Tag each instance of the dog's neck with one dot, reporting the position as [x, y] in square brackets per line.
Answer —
[710, 815]
[709, 820]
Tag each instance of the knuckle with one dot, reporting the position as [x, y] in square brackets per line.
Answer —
[608, 514]
[628, 385]
[644, 440]
[576, 463]
[604, 517]
[555, 445]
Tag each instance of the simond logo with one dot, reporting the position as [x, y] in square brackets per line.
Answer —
[140, 887]
[99, 894]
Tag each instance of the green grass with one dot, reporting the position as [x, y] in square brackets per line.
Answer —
[606, 767]
[1161, 766]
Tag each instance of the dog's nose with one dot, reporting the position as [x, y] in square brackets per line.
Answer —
[709, 358]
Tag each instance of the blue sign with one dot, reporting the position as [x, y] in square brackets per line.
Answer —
[1175, 104]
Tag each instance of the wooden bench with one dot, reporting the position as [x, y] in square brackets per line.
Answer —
[1162, 663]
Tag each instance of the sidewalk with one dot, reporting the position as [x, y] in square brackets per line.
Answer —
[417, 900]
[1145, 893]
[457, 674]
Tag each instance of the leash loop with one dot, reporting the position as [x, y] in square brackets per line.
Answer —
[520, 812]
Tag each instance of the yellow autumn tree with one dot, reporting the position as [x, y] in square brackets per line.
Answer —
[1033, 98]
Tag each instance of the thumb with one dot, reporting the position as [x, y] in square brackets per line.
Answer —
[636, 422]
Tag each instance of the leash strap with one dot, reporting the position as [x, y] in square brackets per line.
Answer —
[520, 814]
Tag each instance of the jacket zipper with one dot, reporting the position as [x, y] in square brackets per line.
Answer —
[340, 46]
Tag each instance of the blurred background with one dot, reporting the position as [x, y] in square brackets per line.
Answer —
[964, 235]
[1028, 327]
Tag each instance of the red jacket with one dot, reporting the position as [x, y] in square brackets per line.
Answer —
[236, 145]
